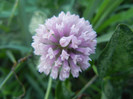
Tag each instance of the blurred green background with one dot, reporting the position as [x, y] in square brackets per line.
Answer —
[19, 77]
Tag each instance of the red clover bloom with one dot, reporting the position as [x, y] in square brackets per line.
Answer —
[64, 44]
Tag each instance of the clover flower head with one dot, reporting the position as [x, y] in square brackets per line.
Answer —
[64, 44]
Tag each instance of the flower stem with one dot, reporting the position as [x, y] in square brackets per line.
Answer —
[85, 87]
[49, 88]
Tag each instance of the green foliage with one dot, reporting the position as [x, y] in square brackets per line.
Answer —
[115, 62]
[63, 90]
[106, 8]
[20, 18]
[119, 17]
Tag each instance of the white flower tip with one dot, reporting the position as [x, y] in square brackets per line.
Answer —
[64, 41]
[50, 54]
[64, 55]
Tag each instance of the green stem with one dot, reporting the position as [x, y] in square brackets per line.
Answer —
[13, 12]
[85, 87]
[5, 80]
[8, 77]
[49, 88]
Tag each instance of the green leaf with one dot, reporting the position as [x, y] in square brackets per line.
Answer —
[115, 62]
[104, 38]
[63, 90]
[112, 90]
[59, 91]
[95, 69]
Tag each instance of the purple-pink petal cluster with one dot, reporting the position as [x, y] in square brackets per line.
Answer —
[64, 44]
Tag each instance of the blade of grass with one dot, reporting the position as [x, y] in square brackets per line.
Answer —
[95, 87]
[108, 11]
[91, 9]
[35, 85]
[28, 93]
[87, 10]
[85, 87]
[13, 12]
[9, 76]
[23, 22]
[120, 17]
[101, 10]
[11, 56]
[37, 75]
[95, 69]
[21, 48]
[125, 6]
[14, 69]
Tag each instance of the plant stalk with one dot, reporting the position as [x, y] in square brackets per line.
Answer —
[49, 88]
[85, 87]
